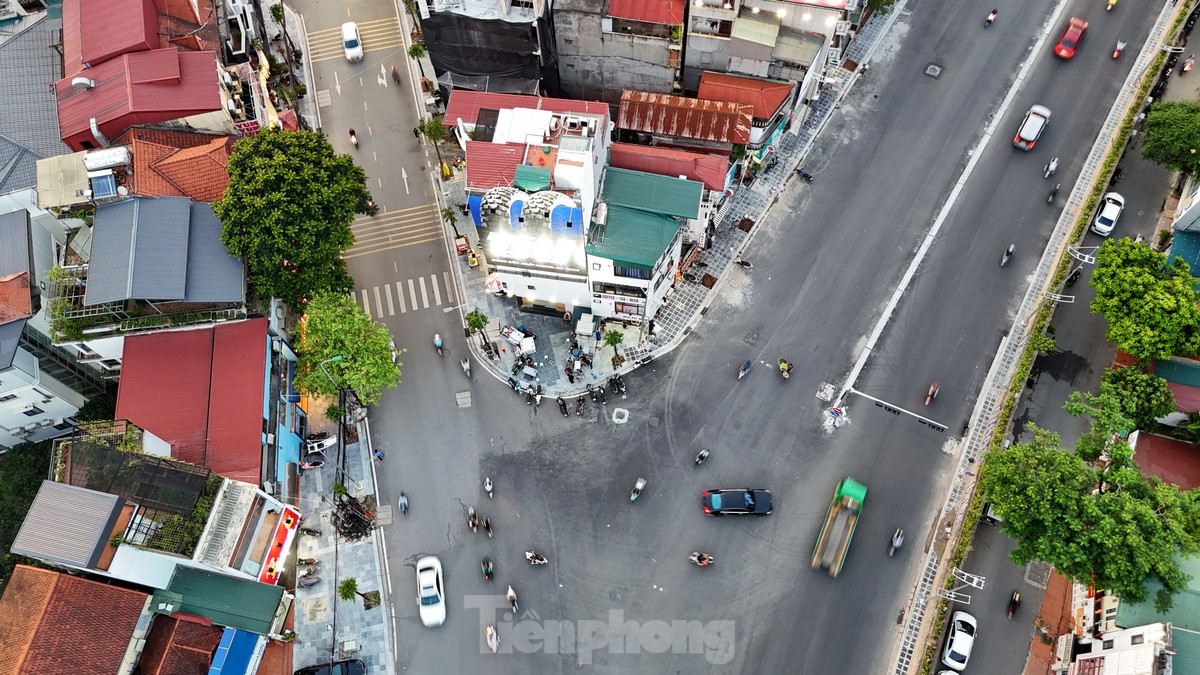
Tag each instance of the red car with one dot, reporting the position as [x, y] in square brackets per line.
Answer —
[1069, 42]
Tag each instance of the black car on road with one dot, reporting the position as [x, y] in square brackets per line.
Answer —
[736, 502]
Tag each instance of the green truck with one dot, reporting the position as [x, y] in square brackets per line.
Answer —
[838, 530]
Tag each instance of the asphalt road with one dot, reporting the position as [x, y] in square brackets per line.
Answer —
[618, 594]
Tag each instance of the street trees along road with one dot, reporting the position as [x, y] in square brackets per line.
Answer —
[1142, 397]
[1150, 305]
[1171, 130]
[287, 211]
[1110, 527]
[337, 327]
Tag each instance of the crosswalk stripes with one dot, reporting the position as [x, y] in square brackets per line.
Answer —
[397, 229]
[377, 35]
[411, 295]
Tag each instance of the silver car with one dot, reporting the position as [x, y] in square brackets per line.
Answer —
[1032, 127]
[351, 42]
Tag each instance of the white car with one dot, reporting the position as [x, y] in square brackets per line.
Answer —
[351, 42]
[1032, 127]
[1110, 209]
[959, 640]
[430, 594]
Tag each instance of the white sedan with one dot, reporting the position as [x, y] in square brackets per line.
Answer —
[430, 594]
[1110, 209]
[351, 42]
[959, 641]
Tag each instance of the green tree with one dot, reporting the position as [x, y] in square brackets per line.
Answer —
[1172, 136]
[477, 322]
[436, 132]
[22, 471]
[288, 210]
[451, 219]
[614, 338]
[349, 588]
[1142, 397]
[1110, 526]
[881, 6]
[417, 52]
[1149, 303]
[336, 327]
[98, 408]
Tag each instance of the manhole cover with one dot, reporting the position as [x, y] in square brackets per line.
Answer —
[654, 421]
[933, 70]
[825, 392]
[620, 416]
[750, 338]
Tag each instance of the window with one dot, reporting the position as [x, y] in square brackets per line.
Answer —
[631, 272]
[7, 397]
[63, 425]
[33, 411]
[1108, 644]
[1136, 639]
[85, 350]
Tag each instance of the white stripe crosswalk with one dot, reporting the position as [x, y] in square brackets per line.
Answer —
[422, 293]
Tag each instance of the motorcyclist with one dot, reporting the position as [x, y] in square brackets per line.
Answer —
[404, 503]
[992, 16]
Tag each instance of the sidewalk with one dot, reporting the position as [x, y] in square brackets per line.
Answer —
[686, 303]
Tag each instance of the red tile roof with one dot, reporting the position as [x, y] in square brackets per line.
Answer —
[669, 12]
[57, 624]
[1170, 460]
[95, 31]
[708, 169]
[143, 88]
[178, 163]
[15, 300]
[491, 165]
[177, 647]
[764, 95]
[685, 117]
[207, 406]
[466, 104]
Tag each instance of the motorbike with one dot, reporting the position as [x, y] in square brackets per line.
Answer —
[1050, 168]
[701, 456]
[896, 542]
[1118, 49]
[1013, 603]
[512, 598]
[702, 559]
[804, 174]
[403, 503]
[472, 519]
[354, 139]
[487, 486]
[931, 394]
[562, 407]
[1074, 276]
[579, 406]
[309, 581]
[486, 567]
[745, 264]
[990, 18]
[315, 464]
[1053, 193]
[1187, 64]
[785, 368]
[1111, 4]
[492, 639]
[306, 561]
[437, 343]
[310, 531]
[621, 385]
[487, 527]
[306, 571]
[1008, 254]
[466, 366]
[637, 489]
[603, 396]
[317, 437]
[592, 394]
[743, 370]
[535, 558]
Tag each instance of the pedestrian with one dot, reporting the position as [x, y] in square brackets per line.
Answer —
[378, 455]
[599, 337]
[416, 133]
[567, 318]
[570, 374]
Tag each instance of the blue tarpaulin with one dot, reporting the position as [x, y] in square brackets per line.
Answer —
[566, 221]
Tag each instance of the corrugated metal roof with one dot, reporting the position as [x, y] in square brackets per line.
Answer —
[68, 525]
[491, 165]
[711, 170]
[685, 117]
[652, 193]
[754, 37]
[139, 250]
[669, 12]
[213, 273]
[1184, 614]
[766, 96]
[227, 601]
[30, 68]
[465, 105]
[800, 49]
[148, 87]
[209, 406]
[636, 238]
[95, 31]
[532, 178]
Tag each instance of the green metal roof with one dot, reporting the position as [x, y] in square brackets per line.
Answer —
[227, 601]
[651, 192]
[1185, 613]
[532, 178]
[1187, 652]
[634, 238]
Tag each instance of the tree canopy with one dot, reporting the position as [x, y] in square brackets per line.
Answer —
[1141, 396]
[355, 349]
[1149, 303]
[288, 210]
[1172, 130]
[1105, 525]
[22, 471]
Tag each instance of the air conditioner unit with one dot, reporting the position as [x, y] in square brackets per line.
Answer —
[843, 28]
[574, 123]
[29, 428]
[46, 423]
[269, 487]
[270, 439]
